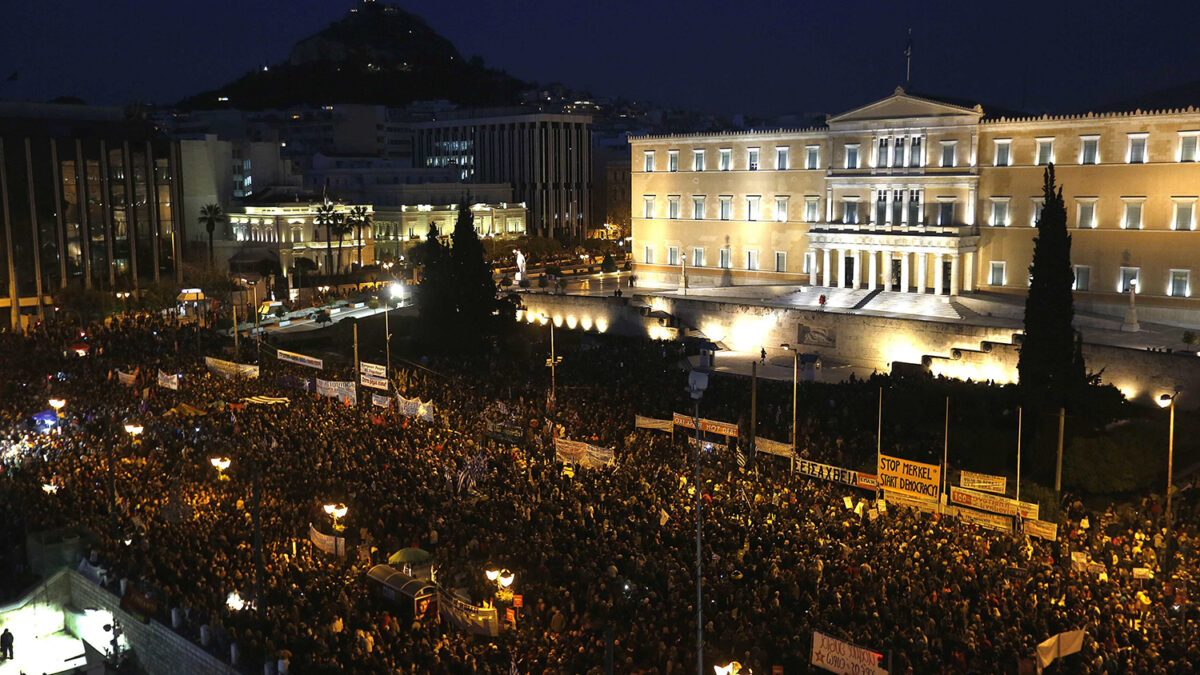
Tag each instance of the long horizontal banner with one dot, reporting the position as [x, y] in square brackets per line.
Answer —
[773, 447]
[229, 369]
[993, 503]
[168, 381]
[300, 359]
[990, 521]
[126, 379]
[844, 658]
[373, 382]
[477, 620]
[915, 479]
[582, 454]
[652, 423]
[414, 407]
[373, 369]
[983, 481]
[836, 474]
[1042, 529]
[327, 542]
[901, 499]
[710, 426]
[342, 391]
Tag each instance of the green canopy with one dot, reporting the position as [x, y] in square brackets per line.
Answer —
[409, 555]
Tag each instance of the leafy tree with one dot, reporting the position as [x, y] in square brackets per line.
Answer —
[210, 217]
[608, 265]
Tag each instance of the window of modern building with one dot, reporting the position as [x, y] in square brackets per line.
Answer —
[999, 211]
[1003, 155]
[780, 261]
[1181, 284]
[726, 206]
[850, 211]
[1083, 278]
[697, 256]
[673, 207]
[1129, 278]
[1045, 151]
[1035, 210]
[812, 209]
[726, 155]
[996, 274]
[1087, 213]
[881, 157]
[914, 152]
[752, 260]
[648, 206]
[1185, 214]
[698, 208]
[949, 150]
[1137, 149]
[852, 155]
[781, 209]
[1188, 141]
[752, 203]
[1089, 149]
[726, 258]
[914, 207]
[782, 155]
[881, 207]
[1133, 214]
[945, 212]
[752, 159]
[648, 255]
[697, 160]
[812, 156]
[672, 160]
[672, 255]
[648, 165]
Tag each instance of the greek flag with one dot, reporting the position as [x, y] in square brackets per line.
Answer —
[472, 473]
[741, 459]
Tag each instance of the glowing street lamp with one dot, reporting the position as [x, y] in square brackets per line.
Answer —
[1168, 401]
[220, 464]
[237, 603]
[336, 511]
[731, 668]
[133, 429]
[49, 488]
[506, 581]
[57, 404]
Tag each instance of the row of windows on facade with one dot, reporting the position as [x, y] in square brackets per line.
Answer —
[1178, 281]
[909, 152]
[907, 207]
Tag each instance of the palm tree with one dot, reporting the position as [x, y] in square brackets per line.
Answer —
[361, 218]
[210, 217]
[342, 226]
[326, 216]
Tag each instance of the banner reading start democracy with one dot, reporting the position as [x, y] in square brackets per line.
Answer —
[915, 479]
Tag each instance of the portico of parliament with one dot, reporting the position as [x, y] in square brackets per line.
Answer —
[917, 195]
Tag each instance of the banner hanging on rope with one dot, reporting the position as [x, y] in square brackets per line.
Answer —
[168, 381]
[709, 426]
[983, 481]
[300, 359]
[652, 423]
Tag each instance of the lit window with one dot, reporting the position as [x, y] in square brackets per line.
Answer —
[914, 152]
[726, 159]
[881, 207]
[1137, 149]
[999, 212]
[781, 158]
[812, 157]
[698, 208]
[726, 258]
[1045, 151]
[1038, 204]
[946, 212]
[672, 255]
[897, 206]
[752, 208]
[752, 260]
[914, 207]
[997, 275]
[1003, 153]
[1180, 286]
[1185, 214]
[881, 157]
[949, 149]
[781, 209]
[1087, 213]
[812, 209]
[697, 160]
[1083, 278]
[726, 207]
[1129, 279]
[898, 153]
[1089, 149]
[1187, 145]
[672, 160]
[808, 263]
[850, 212]
[649, 161]
[752, 159]
[1133, 215]
[698, 257]
[780, 261]
[648, 206]
[852, 155]
[648, 256]
[673, 207]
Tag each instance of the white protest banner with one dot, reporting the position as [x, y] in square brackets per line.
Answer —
[844, 658]
[477, 620]
[414, 407]
[848, 501]
[712, 426]
[993, 503]
[1042, 529]
[901, 499]
[381, 401]
[773, 447]
[229, 369]
[1063, 644]
[983, 481]
[373, 382]
[580, 453]
[342, 391]
[168, 381]
[1079, 560]
[990, 521]
[915, 479]
[652, 423]
[327, 542]
[1142, 573]
[300, 359]
[373, 369]
[126, 379]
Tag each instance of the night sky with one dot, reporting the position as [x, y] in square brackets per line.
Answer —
[759, 57]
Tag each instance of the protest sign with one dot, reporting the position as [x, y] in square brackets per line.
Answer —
[915, 479]
[844, 658]
[300, 359]
[983, 481]
[993, 503]
[709, 426]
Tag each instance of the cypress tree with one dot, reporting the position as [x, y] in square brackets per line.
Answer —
[474, 289]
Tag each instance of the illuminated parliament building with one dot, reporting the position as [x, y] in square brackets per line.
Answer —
[911, 194]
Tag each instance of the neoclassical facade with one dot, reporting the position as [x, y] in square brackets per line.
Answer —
[916, 195]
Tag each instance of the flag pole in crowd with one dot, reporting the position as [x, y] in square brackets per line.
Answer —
[235, 330]
[879, 432]
[946, 450]
[1062, 423]
[753, 407]
[697, 383]
[1019, 413]
[357, 364]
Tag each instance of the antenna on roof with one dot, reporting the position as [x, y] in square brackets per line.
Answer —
[908, 61]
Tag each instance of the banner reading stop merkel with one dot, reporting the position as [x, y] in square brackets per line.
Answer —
[915, 479]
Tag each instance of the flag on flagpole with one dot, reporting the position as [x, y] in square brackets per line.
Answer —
[741, 459]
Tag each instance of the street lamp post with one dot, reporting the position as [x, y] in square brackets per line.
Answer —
[552, 362]
[795, 386]
[1168, 401]
[697, 383]
[683, 283]
[336, 511]
[395, 290]
[220, 464]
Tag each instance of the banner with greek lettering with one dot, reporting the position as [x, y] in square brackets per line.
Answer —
[652, 423]
[381, 401]
[835, 474]
[983, 481]
[168, 381]
[126, 379]
[710, 426]
[773, 447]
[342, 391]
[915, 479]
[373, 382]
[300, 359]
[990, 521]
[582, 454]
[229, 369]
[844, 658]
[993, 503]
[477, 620]
[372, 369]
[327, 542]
[1041, 529]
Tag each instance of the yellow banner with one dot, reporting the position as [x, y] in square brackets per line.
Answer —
[915, 479]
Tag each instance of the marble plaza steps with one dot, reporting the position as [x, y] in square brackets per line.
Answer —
[883, 303]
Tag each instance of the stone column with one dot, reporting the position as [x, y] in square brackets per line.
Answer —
[825, 267]
[904, 272]
[969, 273]
[885, 260]
[937, 274]
[840, 273]
[954, 274]
[872, 270]
[922, 271]
[857, 268]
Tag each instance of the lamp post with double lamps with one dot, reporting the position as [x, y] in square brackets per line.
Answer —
[1168, 401]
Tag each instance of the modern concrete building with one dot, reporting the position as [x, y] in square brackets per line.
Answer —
[912, 194]
[545, 157]
[88, 196]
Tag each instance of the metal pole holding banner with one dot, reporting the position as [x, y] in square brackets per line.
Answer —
[1062, 422]
[387, 337]
[235, 331]
[879, 433]
[1019, 420]
[357, 364]
[699, 560]
[753, 407]
[946, 451]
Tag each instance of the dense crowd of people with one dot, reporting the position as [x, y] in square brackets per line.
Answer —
[604, 558]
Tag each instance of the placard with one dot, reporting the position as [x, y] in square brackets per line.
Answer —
[915, 479]
[844, 658]
[372, 369]
[983, 481]
[993, 503]
[1041, 529]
